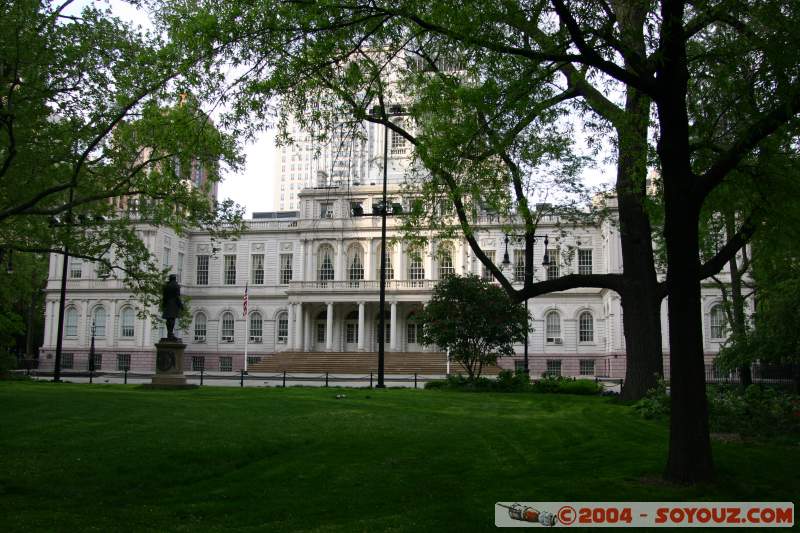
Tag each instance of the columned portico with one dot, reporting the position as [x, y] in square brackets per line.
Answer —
[329, 328]
[361, 332]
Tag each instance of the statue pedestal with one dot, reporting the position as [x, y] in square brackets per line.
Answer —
[169, 365]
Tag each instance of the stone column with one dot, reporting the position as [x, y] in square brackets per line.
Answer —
[393, 330]
[111, 325]
[298, 319]
[329, 328]
[369, 268]
[429, 274]
[340, 262]
[308, 342]
[290, 332]
[361, 332]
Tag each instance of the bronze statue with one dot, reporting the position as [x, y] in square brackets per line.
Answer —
[171, 305]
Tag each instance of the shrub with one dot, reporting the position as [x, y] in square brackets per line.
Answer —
[508, 381]
[656, 403]
[756, 411]
[564, 385]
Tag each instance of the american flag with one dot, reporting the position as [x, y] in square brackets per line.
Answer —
[244, 302]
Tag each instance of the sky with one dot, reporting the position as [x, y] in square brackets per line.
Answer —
[252, 187]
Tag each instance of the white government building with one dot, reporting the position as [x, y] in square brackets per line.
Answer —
[313, 278]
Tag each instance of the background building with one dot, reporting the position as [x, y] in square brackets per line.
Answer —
[313, 280]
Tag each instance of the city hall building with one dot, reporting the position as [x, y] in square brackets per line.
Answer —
[313, 284]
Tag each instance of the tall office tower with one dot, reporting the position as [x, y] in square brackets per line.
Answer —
[351, 155]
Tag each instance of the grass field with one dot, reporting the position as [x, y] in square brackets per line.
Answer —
[117, 458]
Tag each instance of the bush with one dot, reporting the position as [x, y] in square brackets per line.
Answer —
[756, 411]
[656, 403]
[508, 381]
[564, 385]
[8, 362]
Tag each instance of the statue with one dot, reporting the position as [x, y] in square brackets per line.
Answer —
[171, 305]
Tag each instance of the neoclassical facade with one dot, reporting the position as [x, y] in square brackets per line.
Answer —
[313, 286]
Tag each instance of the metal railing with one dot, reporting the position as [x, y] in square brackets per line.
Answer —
[349, 285]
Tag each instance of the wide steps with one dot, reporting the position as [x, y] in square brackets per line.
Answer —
[432, 363]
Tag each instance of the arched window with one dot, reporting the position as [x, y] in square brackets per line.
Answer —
[127, 322]
[283, 327]
[586, 327]
[355, 264]
[71, 322]
[389, 265]
[552, 327]
[227, 327]
[256, 327]
[99, 321]
[446, 267]
[200, 327]
[416, 268]
[718, 322]
[325, 270]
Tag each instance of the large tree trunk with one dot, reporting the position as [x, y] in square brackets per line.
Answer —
[737, 300]
[641, 301]
[689, 459]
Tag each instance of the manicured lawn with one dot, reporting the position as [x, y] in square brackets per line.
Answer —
[119, 458]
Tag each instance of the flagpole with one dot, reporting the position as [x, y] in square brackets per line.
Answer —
[246, 329]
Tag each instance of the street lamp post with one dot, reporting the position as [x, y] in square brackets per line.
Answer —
[381, 111]
[528, 281]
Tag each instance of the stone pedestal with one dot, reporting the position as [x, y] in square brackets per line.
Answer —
[169, 365]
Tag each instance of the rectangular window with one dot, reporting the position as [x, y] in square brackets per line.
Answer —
[286, 269]
[226, 364]
[257, 269]
[98, 361]
[179, 267]
[230, 269]
[587, 367]
[352, 333]
[165, 258]
[553, 367]
[326, 210]
[486, 274]
[75, 268]
[67, 361]
[202, 270]
[321, 332]
[198, 363]
[253, 359]
[416, 269]
[552, 267]
[283, 328]
[519, 365]
[584, 261]
[123, 362]
[519, 266]
[398, 141]
[411, 333]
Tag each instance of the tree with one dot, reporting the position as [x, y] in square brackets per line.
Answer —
[654, 53]
[95, 142]
[474, 320]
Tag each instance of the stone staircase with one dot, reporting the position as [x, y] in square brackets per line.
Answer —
[426, 363]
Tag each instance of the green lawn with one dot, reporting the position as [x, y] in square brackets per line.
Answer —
[120, 458]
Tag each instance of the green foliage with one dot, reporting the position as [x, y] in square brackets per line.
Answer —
[509, 381]
[565, 385]
[96, 142]
[656, 404]
[756, 411]
[473, 319]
